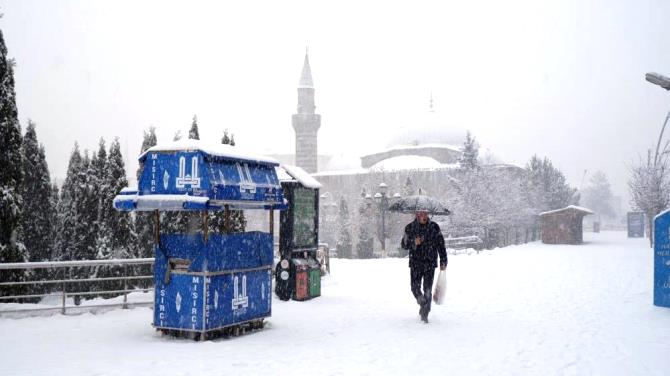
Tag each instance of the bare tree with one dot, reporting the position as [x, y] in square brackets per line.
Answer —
[650, 186]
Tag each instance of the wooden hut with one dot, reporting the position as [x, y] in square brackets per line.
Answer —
[563, 226]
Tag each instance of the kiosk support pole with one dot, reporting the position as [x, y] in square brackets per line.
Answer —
[205, 225]
[226, 219]
[272, 222]
[157, 232]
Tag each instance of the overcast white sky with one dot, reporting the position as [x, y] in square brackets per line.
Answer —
[563, 78]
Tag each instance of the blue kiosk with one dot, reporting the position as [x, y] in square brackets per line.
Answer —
[208, 283]
[662, 259]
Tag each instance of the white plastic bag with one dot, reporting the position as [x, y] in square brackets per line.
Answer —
[440, 287]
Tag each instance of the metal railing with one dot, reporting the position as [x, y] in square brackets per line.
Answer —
[66, 281]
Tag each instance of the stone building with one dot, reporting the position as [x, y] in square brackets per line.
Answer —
[306, 122]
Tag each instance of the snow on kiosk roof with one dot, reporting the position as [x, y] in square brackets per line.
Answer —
[195, 175]
[576, 208]
[214, 150]
[294, 173]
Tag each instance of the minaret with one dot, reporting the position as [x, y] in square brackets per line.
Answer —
[306, 123]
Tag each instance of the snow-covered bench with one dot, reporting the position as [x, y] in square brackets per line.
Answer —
[461, 244]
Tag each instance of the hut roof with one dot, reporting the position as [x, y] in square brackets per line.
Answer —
[571, 208]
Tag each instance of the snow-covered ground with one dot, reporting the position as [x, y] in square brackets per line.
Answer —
[527, 310]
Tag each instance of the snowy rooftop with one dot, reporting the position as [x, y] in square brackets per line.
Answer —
[291, 173]
[568, 208]
[409, 162]
[213, 149]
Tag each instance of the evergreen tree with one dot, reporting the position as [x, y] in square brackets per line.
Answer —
[118, 238]
[55, 198]
[344, 246]
[193, 132]
[11, 174]
[238, 222]
[118, 222]
[67, 209]
[144, 222]
[87, 209]
[408, 188]
[598, 195]
[39, 210]
[468, 159]
[547, 186]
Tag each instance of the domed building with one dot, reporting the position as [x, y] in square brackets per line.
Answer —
[422, 156]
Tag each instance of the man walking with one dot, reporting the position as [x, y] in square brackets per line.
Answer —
[424, 241]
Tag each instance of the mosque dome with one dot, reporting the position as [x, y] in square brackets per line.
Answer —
[427, 128]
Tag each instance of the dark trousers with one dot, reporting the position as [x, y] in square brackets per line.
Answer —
[425, 274]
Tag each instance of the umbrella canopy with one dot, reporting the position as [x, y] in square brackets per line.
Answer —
[410, 204]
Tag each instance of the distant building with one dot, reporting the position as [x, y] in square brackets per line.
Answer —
[563, 226]
[306, 122]
[422, 153]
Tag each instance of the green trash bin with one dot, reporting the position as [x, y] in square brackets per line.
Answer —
[314, 278]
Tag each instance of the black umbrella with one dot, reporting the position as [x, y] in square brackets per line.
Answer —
[410, 204]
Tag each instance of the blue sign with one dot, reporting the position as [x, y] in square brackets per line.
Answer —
[662, 260]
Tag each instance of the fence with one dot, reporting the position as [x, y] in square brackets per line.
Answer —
[66, 284]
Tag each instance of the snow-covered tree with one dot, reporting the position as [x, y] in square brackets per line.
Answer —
[119, 222]
[238, 222]
[344, 246]
[39, 210]
[193, 132]
[11, 173]
[66, 209]
[468, 159]
[77, 212]
[649, 187]
[144, 222]
[547, 186]
[408, 187]
[598, 195]
[117, 238]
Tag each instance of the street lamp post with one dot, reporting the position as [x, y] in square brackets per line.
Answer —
[382, 201]
[664, 82]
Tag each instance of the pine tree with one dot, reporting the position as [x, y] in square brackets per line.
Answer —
[468, 159]
[144, 222]
[38, 211]
[87, 209]
[598, 195]
[66, 209]
[193, 132]
[11, 174]
[408, 188]
[344, 246]
[117, 226]
[547, 186]
[119, 223]
[238, 222]
[55, 199]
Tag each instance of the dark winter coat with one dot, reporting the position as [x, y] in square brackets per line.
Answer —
[425, 255]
